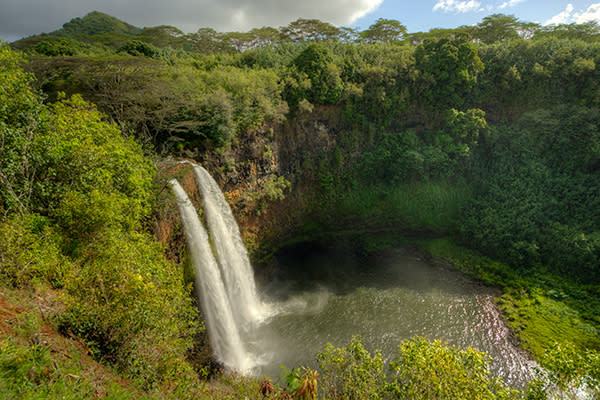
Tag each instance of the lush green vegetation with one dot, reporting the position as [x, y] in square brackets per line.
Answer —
[488, 135]
[74, 197]
[351, 372]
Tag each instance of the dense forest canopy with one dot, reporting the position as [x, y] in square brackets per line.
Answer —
[488, 134]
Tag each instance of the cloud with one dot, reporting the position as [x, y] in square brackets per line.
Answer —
[20, 18]
[510, 3]
[569, 16]
[563, 17]
[591, 14]
[457, 6]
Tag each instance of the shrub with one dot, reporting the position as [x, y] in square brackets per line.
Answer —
[350, 372]
[432, 370]
[30, 250]
[132, 307]
[139, 48]
[60, 47]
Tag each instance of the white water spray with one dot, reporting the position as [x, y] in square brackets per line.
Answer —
[231, 252]
[222, 327]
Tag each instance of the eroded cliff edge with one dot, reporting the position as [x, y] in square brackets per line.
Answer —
[268, 176]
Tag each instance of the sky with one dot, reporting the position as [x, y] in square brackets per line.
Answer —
[21, 18]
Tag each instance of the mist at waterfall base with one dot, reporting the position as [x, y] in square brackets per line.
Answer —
[329, 294]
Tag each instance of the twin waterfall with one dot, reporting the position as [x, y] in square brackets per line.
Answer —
[224, 278]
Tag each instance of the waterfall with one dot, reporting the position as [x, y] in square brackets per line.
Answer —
[220, 320]
[230, 250]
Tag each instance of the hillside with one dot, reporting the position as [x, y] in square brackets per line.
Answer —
[95, 23]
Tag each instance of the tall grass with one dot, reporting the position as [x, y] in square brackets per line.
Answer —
[421, 205]
[430, 205]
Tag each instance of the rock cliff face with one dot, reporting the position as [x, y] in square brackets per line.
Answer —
[266, 176]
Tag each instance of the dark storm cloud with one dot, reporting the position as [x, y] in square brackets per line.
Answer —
[20, 18]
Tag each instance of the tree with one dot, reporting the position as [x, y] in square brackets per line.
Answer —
[527, 30]
[207, 41]
[418, 38]
[20, 111]
[74, 193]
[350, 372]
[464, 127]
[139, 48]
[497, 27]
[264, 36]
[462, 132]
[303, 30]
[384, 30]
[257, 37]
[163, 36]
[241, 41]
[60, 47]
[325, 83]
[586, 31]
[448, 70]
[349, 35]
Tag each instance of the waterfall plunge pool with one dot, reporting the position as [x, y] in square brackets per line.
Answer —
[324, 294]
[321, 295]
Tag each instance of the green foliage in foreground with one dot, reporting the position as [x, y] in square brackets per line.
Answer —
[132, 307]
[74, 194]
[351, 372]
[30, 251]
[421, 370]
[434, 370]
[31, 372]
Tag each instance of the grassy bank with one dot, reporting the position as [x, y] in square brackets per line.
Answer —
[542, 309]
[39, 360]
